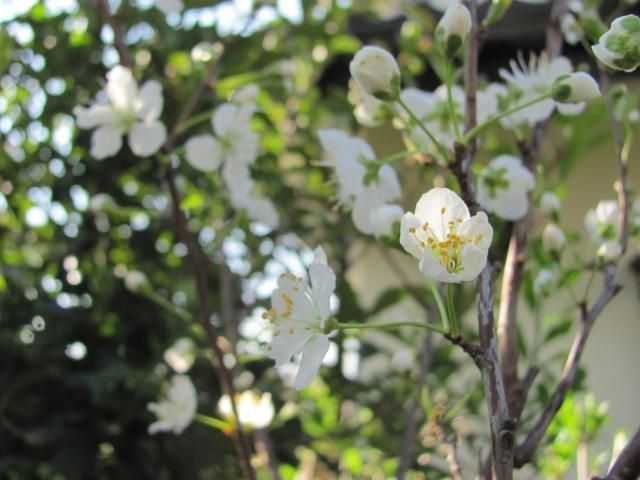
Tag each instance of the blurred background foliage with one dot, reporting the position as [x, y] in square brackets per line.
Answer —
[81, 356]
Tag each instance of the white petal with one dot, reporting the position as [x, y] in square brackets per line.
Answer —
[408, 239]
[438, 207]
[145, 139]
[262, 210]
[150, 101]
[243, 148]
[387, 186]
[121, 89]
[94, 116]
[571, 109]
[106, 141]
[311, 361]
[333, 141]
[430, 266]
[203, 152]
[478, 226]
[323, 283]
[285, 345]
[364, 204]
[361, 150]
[382, 219]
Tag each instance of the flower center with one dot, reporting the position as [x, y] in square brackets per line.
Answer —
[447, 250]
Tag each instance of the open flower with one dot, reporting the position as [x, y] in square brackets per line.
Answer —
[128, 110]
[181, 355]
[363, 186]
[451, 245]
[503, 187]
[178, 408]
[299, 314]
[234, 142]
[254, 411]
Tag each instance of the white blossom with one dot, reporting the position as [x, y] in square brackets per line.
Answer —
[503, 187]
[602, 222]
[453, 27]
[618, 47]
[571, 29]
[254, 411]
[176, 411]
[382, 219]
[610, 251]
[553, 238]
[549, 203]
[576, 88]
[181, 355]
[545, 281]
[451, 245]
[377, 72]
[136, 281]
[299, 315]
[360, 189]
[369, 111]
[128, 110]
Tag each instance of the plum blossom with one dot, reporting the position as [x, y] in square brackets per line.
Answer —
[453, 27]
[549, 203]
[299, 316]
[553, 238]
[376, 72]
[128, 110]
[181, 355]
[545, 281]
[384, 218]
[433, 110]
[503, 187]
[610, 251]
[526, 82]
[451, 245]
[176, 411]
[576, 88]
[602, 222]
[363, 185]
[618, 48]
[254, 411]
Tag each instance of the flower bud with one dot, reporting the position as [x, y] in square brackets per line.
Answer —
[136, 281]
[617, 48]
[553, 238]
[376, 72]
[610, 251]
[453, 28]
[544, 282]
[575, 88]
[549, 203]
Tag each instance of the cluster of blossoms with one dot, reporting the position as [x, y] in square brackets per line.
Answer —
[234, 149]
[123, 108]
[364, 186]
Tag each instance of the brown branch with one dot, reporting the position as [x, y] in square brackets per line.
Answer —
[118, 33]
[627, 465]
[264, 443]
[452, 459]
[526, 449]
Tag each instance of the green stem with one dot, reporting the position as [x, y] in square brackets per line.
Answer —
[448, 74]
[477, 130]
[394, 157]
[415, 118]
[196, 119]
[166, 304]
[452, 310]
[212, 422]
[444, 316]
[358, 326]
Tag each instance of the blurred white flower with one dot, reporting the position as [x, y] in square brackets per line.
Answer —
[128, 110]
[169, 6]
[453, 27]
[254, 411]
[181, 355]
[369, 111]
[549, 203]
[545, 281]
[451, 245]
[571, 29]
[610, 251]
[377, 72]
[618, 47]
[176, 411]
[602, 222]
[363, 186]
[576, 88]
[136, 281]
[299, 314]
[382, 219]
[503, 187]
[553, 238]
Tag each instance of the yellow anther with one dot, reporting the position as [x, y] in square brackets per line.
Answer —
[290, 330]
[412, 230]
[443, 210]
[276, 333]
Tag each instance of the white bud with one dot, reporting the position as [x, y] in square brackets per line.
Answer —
[575, 88]
[376, 72]
[454, 26]
[549, 203]
[553, 238]
[544, 281]
[135, 281]
[610, 251]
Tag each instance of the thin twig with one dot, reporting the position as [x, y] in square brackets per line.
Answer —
[265, 445]
[118, 33]
[452, 460]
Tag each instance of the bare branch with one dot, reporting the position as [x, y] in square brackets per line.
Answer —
[118, 33]
[627, 465]
[452, 460]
